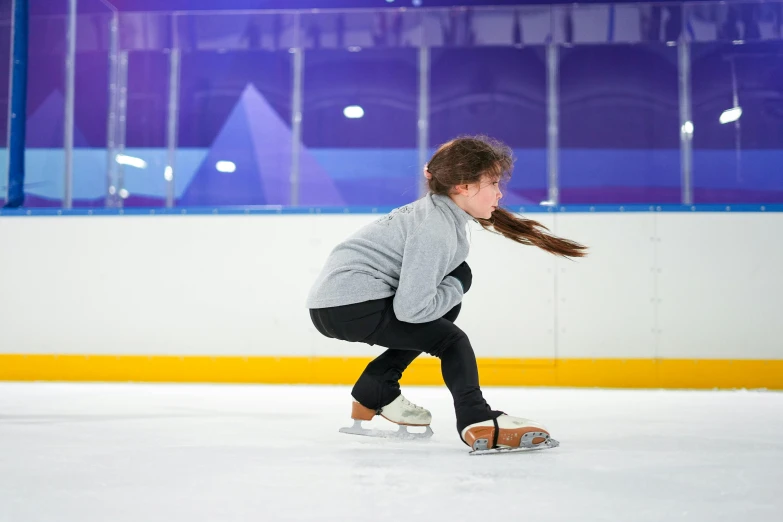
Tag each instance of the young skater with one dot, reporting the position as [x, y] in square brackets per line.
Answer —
[399, 282]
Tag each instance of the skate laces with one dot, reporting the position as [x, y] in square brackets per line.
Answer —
[406, 402]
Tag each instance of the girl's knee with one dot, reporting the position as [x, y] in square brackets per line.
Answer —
[315, 317]
[456, 340]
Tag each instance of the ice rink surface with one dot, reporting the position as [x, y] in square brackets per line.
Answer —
[145, 453]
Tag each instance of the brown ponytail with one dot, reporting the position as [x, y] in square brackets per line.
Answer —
[529, 232]
[467, 159]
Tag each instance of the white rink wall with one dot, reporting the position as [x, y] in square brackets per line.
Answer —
[656, 285]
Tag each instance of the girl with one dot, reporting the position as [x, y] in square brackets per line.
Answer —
[399, 283]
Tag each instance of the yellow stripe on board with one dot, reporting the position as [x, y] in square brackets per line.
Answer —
[604, 373]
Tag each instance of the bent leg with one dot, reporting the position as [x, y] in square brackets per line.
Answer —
[444, 340]
[379, 383]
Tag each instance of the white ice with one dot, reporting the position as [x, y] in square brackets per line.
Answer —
[146, 453]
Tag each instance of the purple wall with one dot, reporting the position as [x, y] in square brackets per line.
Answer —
[618, 101]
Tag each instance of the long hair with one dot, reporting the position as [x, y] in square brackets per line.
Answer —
[468, 159]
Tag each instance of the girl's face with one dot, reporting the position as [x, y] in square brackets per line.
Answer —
[479, 199]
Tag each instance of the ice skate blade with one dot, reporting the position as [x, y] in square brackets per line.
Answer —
[549, 443]
[402, 433]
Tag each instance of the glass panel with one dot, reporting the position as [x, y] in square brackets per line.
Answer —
[617, 23]
[619, 124]
[144, 179]
[618, 101]
[91, 103]
[234, 145]
[44, 154]
[735, 21]
[359, 127]
[146, 31]
[361, 29]
[738, 122]
[500, 92]
[488, 26]
[250, 31]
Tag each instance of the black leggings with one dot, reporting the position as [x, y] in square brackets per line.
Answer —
[374, 322]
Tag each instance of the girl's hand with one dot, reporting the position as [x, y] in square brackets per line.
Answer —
[464, 274]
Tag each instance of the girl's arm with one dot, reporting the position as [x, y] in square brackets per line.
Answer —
[424, 292]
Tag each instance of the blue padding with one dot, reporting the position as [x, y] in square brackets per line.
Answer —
[201, 211]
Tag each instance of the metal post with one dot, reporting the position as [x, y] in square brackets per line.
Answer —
[173, 115]
[553, 132]
[424, 113]
[111, 130]
[122, 111]
[737, 127]
[70, 86]
[17, 120]
[686, 121]
[296, 119]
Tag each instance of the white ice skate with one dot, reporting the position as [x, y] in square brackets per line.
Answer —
[507, 434]
[400, 411]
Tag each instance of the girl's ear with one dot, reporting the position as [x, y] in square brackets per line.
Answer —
[463, 189]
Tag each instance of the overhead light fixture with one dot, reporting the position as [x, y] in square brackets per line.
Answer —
[226, 166]
[730, 115]
[353, 112]
[139, 163]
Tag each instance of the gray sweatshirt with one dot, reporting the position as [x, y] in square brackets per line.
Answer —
[407, 254]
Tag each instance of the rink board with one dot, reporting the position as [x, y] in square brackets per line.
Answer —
[665, 299]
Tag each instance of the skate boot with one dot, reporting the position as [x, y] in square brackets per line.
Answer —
[506, 434]
[400, 411]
